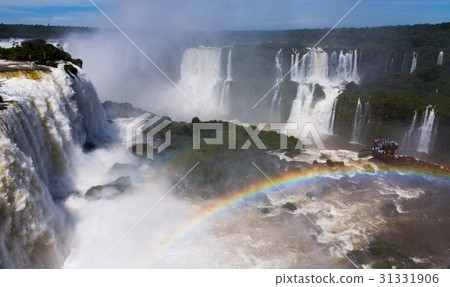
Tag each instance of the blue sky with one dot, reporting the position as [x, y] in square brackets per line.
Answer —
[225, 14]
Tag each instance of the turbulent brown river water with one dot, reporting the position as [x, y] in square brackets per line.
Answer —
[353, 209]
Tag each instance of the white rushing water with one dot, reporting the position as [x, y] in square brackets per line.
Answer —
[426, 130]
[414, 63]
[42, 125]
[440, 58]
[419, 136]
[361, 123]
[225, 95]
[320, 81]
[409, 137]
[202, 80]
[275, 106]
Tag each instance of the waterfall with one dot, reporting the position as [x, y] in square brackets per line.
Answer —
[365, 125]
[361, 123]
[320, 81]
[46, 118]
[440, 58]
[420, 137]
[426, 130]
[225, 95]
[357, 122]
[201, 78]
[333, 115]
[414, 62]
[410, 137]
[333, 64]
[275, 107]
[355, 75]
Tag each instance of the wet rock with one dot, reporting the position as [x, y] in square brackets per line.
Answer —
[109, 190]
[290, 205]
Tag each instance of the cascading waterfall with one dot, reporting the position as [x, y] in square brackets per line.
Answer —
[46, 118]
[333, 115]
[414, 63]
[410, 137]
[320, 81]
[225, 95]
[275, 107]
[361, 123]
[440, 58]
[420, 137]
[202, 81]
[426, 130]
[333, 64]
[357, 121]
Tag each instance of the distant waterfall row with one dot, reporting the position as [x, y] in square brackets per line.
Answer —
[320, 80]
[316, 66]
[204, 81]
[207, 75]
[361, 123]
[43, 123]
[409, 63]
[421, 134]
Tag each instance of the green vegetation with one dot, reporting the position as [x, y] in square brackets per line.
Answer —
[393, 98]
[385, 264]
[364, 153]
[368, 168]
[429, 193]
[388, 249]
[383, 255]
[331, 163]
[8, 31]
[265, 210]
[290, 205]
[71, 70]
[359, 256]
[39, 51]
[222, 169]
[51, 64]
[310, 194]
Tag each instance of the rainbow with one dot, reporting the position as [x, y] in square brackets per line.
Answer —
[286, 180]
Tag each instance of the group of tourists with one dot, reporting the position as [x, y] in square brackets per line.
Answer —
[384, 146]
[387, 148]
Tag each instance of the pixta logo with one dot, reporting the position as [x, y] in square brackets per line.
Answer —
[307, 134]
[141, 133]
